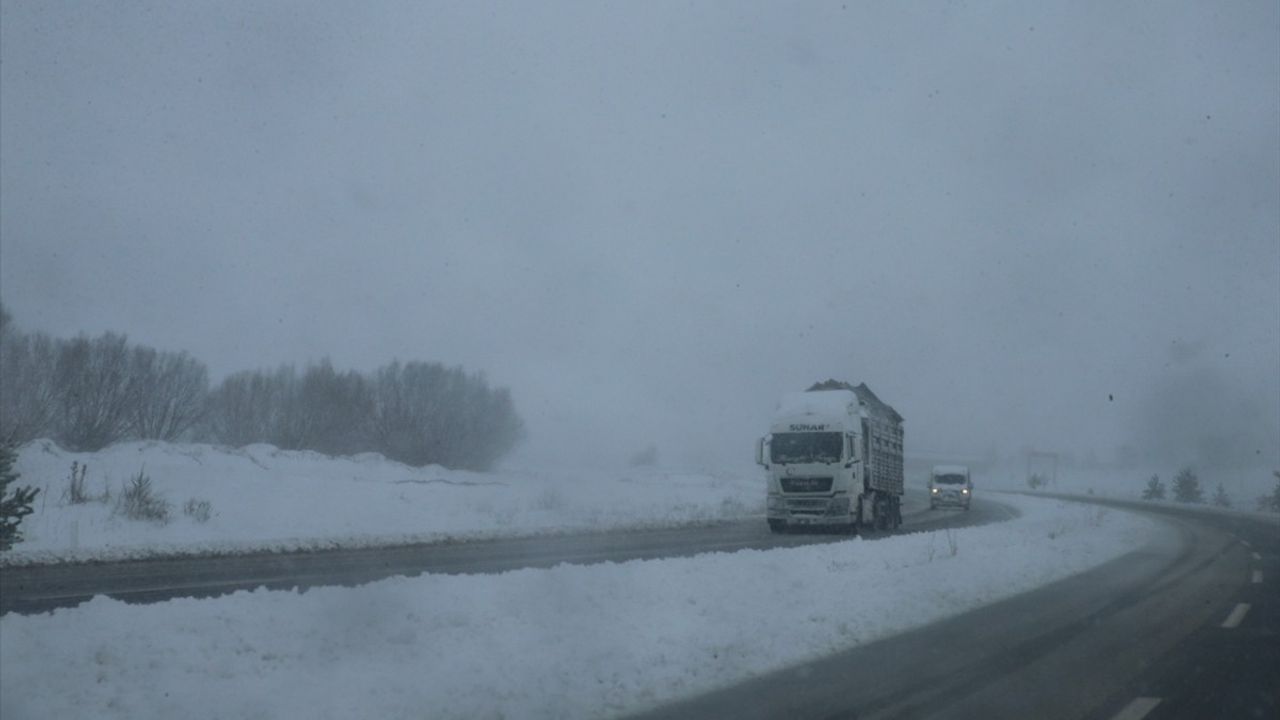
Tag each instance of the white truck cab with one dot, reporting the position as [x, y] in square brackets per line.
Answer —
[950, 485]
[828, 459]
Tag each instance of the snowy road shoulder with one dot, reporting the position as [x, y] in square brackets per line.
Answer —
[570, 641]
[263, 499]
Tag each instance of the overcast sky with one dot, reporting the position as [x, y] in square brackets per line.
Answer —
[1022, 226]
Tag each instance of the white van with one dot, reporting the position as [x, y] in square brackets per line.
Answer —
[950, 485]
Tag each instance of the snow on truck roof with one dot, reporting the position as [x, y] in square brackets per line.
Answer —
[828, 403]
[868, 399]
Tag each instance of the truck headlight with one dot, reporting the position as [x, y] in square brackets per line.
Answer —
[965, 491]
[934, 490]
[776, 502]
[838, 506]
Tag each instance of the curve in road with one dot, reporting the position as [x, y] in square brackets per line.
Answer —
[1158, 633]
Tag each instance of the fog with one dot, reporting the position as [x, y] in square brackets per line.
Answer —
[1023, 227]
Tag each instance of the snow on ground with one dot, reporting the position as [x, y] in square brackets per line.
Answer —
[263, 498]
[565, 642]
[1243, 486]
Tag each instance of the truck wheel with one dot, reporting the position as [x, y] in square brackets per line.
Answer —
[778, 526]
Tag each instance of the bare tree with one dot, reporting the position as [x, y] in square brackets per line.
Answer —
[91, 378]
[248, 407]
[28, 400]
[333, 410]
[168, 393]
[417, 413]
[427, 413]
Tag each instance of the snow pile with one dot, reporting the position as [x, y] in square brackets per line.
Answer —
[829, 404]
[262, 498]
[565, 642]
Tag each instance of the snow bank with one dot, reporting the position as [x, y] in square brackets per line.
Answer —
[565, 642]
[1243, 485]
[263, 498]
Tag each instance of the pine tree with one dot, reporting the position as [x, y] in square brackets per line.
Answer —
[12, 507]
[1186, 487]
[1154, 489]
[1220, 498]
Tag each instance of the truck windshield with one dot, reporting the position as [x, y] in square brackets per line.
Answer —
[949, 479]
[815, 447]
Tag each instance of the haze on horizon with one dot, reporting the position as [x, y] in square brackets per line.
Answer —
[1022, 226]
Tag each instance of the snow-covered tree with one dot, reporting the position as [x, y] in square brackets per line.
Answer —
[1271, 502]
[1154, 489]
[1220, 497]
[1186, 487]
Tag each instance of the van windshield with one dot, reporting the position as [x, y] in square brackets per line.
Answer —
[815, 447]
[949, 479]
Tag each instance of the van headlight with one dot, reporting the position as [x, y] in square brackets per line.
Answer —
[934, 490]
[965, 491]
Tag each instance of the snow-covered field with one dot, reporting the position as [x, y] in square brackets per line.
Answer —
[1243, 486]
[565, 642]
[262, 498]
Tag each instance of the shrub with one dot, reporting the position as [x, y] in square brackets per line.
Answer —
[137, 501]
[198, 510]
[76, 493]
[13, 506]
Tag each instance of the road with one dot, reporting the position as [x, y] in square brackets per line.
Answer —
[43, 588]
[1186, 627]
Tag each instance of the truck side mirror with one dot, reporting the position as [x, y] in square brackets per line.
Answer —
[760, 452]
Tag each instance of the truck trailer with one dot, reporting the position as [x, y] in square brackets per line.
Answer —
[833, 458]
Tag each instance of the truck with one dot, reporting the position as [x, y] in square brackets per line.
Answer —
[833, 459]
[950, 485]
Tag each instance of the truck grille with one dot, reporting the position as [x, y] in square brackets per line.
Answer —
[806, 484]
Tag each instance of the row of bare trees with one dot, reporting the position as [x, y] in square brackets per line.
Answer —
[416, 412]
[87, 393]
[90, 392]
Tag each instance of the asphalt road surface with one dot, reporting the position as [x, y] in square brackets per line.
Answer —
[43, 588]
[1185, 627]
